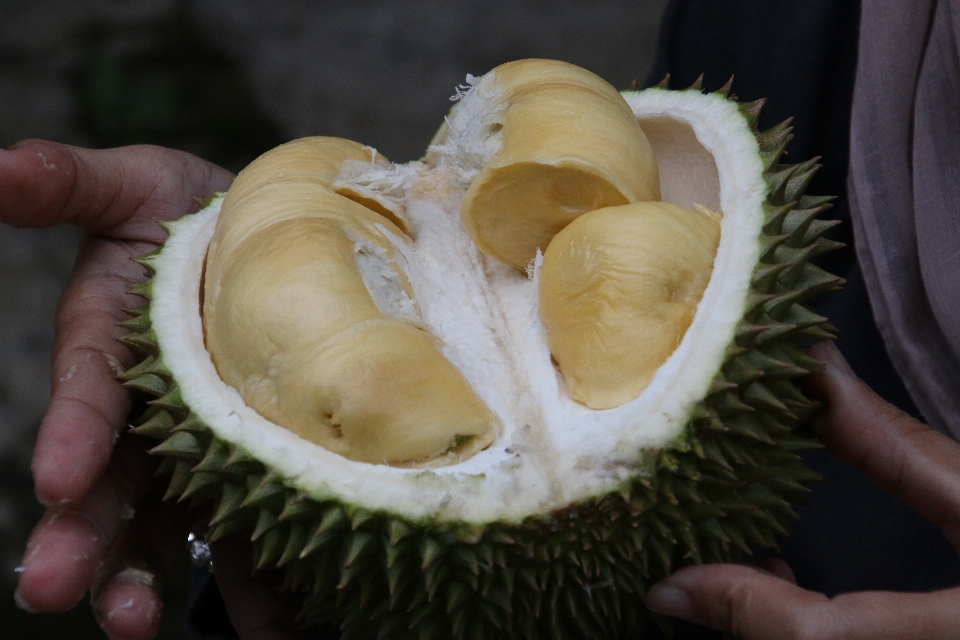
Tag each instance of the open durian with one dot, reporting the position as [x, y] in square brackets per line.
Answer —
[500, 391]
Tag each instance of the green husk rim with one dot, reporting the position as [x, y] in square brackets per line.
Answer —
[726, 486]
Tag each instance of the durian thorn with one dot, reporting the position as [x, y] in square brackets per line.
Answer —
[361, 517]
[774, 217]
[214, 458]
[815, 230]
[778, 306]
[769, 245]
[826, 244]
[798, 261]
[388, 627]
[143, 289]
[266, 520]
[348, 574]
[318, 542]
[170, 400]
[500, 598]
[775, 367]
[729, 404]
[801, 178]
[725, 89]
[148, 383]
[430, 551]
[206, 202]
[334, 520]
[434, 577]
[459, 616]
[268, 492]
[225, 529]
[295, 543]
[794, 442]
[747, 425]
[146, 261]
[499, 536]
[144, 342]
[756, 394]
[760, 496]
[166, 225]
[736, 537]
[751, 112]
[297, 507]
[778, 178]
[182, 445]
[179, 480]
[720, 384]
[799, 221]
[142, 311]
[764, 275]
[361, 543]
[697, 84]
[271, 545]
[663, 84]
[228, 506]
[150, 364]
[138, 323]
[741, 370]
[398, 530]
[202, 485]
[239, 459]
[192, 424]
[166, 466]
[755, 302]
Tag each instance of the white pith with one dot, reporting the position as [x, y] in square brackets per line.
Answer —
[553, 452]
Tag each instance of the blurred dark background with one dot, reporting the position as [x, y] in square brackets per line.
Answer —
[227, 80]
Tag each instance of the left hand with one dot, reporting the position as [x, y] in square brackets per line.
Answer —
[98, 533]
[904, 456]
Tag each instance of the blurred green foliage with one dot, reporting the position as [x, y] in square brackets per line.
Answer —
[172, 89]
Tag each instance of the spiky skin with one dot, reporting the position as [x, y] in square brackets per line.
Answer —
[579, 572]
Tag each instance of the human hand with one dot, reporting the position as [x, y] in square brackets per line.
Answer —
[91, 483]
[919, 465]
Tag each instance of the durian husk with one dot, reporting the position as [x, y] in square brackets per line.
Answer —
[579, 572]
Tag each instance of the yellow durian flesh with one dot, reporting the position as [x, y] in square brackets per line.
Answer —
[569, 144]
[284, 290]
[618, 289]
[290, 323]
[319, 160]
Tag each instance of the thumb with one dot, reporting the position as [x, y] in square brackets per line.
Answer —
[757, 606]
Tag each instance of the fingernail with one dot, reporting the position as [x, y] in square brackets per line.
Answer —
[20, 602]
[835, 362]
[669, 600]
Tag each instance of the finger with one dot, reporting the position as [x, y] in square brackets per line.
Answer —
[114, 192]
[778, 568]
[88, 406]
[68, 545]
[126, 594]
[755, 606]
[899, 453]
[256, 610]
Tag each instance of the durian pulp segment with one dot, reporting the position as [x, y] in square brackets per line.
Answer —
[292, 324]
[618, 289]
[553, 451]
[560, 141]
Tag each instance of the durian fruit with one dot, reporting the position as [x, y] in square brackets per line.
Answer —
[501, 391]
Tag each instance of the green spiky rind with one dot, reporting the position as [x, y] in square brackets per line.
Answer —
[728, 485]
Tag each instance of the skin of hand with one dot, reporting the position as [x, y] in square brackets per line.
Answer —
[105, 529]
[904, 456]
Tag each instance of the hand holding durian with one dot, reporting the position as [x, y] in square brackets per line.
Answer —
[668, 450]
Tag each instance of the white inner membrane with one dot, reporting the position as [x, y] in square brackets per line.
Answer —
[553, 451]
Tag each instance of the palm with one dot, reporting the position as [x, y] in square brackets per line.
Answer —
[91, 482]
